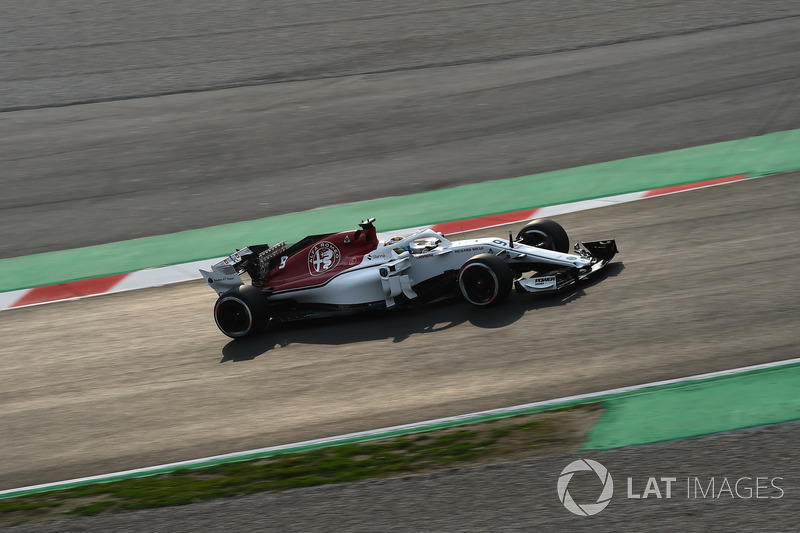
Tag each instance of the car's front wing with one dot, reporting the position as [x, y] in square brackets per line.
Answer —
[600, 252]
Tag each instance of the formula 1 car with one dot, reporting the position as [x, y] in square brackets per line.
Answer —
[352, 271]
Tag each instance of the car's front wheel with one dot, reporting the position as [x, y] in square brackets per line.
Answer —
[544, 233]
[485, 280]
[241, 312]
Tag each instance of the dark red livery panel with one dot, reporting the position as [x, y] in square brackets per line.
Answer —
[318, 262]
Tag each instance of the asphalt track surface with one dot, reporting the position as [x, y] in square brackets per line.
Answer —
[206, 114]
[707, 280]
[443, 94]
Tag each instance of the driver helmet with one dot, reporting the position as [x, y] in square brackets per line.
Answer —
[397, 250]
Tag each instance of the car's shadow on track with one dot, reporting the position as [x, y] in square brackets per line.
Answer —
[401, 324]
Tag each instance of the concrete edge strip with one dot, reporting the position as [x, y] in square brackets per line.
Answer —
[404, 429]
[156, 277]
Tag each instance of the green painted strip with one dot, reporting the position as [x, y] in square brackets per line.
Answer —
[767, 154]
[699, 408]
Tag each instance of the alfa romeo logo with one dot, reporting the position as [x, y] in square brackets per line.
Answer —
[587, 509]
[322, 257]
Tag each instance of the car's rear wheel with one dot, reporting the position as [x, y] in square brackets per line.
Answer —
[485, 280]
[544, 233]
[241, 312]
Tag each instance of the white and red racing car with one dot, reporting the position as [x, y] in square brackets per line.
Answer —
[352, 271]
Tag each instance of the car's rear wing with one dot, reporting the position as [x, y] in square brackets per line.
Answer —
[256, 260]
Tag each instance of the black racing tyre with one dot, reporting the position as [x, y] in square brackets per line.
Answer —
[485, 280]
[241, 312]
[544, 233]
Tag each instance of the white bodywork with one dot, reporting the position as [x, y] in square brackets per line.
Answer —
[393, 268]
